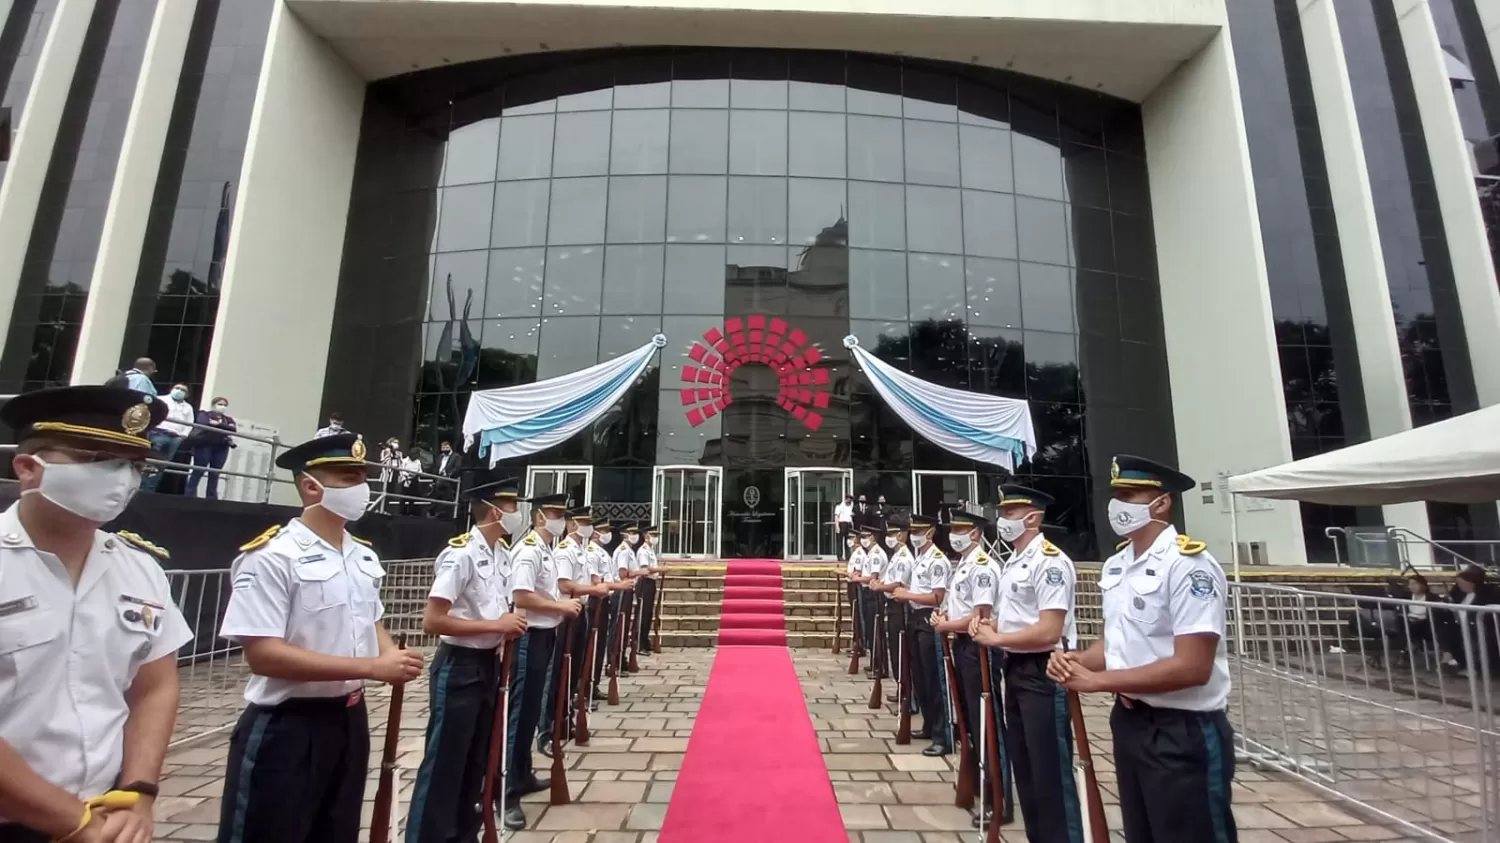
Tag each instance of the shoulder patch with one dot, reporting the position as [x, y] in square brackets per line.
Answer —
[459, 541]
[261, 539]
[1054, 576]
[153, 549]
[1201, 585]
[1187, 547]
[1050, 549]
[365, 542]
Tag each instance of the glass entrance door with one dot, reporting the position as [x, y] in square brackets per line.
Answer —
[685, 504]
[811, 495]
[932, 489]
[575, 481]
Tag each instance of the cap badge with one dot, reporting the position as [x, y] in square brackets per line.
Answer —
[136, 419]
[357, 450]
[1114, 469]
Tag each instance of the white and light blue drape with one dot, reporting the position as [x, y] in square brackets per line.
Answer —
[531, 417]
[987, 428]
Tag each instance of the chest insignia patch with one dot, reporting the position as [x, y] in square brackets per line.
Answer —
[1139, 603]
[1116, 570]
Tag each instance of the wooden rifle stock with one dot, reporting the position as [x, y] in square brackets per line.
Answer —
[631, 665]
[964, 791]
[661, 590]
[498, 730]
[991, 752]
[1098, 825]
[586, 677]
[614, 636]
[380, 818]
[857, 645]
[877, 657]
[903, 688]
[560, 795]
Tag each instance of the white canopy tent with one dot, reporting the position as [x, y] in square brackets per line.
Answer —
[1456, 460]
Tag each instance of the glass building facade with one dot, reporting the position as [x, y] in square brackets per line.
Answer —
[521, 219]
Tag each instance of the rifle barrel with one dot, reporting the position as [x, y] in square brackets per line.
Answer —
[964, 790]
[380, 818]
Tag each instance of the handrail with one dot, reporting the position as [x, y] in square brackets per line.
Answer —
[1396, 533]
[1332, 534]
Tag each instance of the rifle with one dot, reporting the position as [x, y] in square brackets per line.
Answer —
[964, 790]
[380, 818]
[661, 590]
[877, 658]
[631, 665]
[990, 751]
[560, 794]
[613, 668]
[1083, 771]
[586, 677]
[903, 687]
[499, 730]
[838, 622]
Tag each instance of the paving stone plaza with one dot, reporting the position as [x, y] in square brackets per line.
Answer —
[622, 782]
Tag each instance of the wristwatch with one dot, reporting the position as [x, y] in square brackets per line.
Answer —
[143, 788]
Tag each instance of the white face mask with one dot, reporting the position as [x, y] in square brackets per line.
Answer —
[603, 538]
[960, 541]
[584, 531]
[555, 526]
[348, 503]
[890, 541]
[95, 491]
[864, 541]
[221, 408]
[634, 538]
[1010, 529]
[512, 522]
[919, 541]
[1125, 518]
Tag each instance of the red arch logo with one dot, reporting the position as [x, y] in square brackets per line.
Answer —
[768, 341]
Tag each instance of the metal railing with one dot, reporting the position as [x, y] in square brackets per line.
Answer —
[213, 671]
[1389, 703]
[1444, 549]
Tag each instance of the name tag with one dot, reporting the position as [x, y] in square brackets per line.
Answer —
[16, 607]
[125, 598]
[318, 557]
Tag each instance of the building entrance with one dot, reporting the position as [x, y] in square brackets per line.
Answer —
[811, 495]
[931, 489]
[685, 504]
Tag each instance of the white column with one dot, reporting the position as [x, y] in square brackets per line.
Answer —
[1380, 368]
[35, 136]
[120, 243]
[1468, 244]
[287, 233]
[1226, 378]
[5, 7]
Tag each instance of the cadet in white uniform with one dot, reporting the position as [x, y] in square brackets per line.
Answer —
[971, 596]
[575, 579]
[533, 584]
[88, 628]
[625, 568]
[650, 575]
[469, 609]
[306, 609]
[852, 572]
[929, 576]
[609, 608]
[1163, 657]
[1035, 613]
[895, 574]
[871, 605]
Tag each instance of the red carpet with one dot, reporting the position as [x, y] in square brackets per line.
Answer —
[753, 771]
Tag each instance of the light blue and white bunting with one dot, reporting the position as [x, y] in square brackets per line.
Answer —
[987, 428]
[519, 420]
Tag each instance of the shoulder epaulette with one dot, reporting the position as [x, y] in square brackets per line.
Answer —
[505, 543]
[261, 539]
[153, 549]
[365, 542]
[1122, 545]
[564, 544]
[1187, 547]
[981, 559]
[531, 539]
[459, 541]
[1050, 549]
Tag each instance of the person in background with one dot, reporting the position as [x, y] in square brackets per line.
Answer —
[211, 448]
[882, 510]
[390, 460]
[411, 466]
[334, 428]
[167, 437]
[447, 465]
[843, 523]
[139, 377]
[1474, 629]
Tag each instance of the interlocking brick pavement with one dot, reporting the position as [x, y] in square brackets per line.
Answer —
[622, 782]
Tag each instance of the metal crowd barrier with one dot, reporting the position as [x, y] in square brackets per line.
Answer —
[212, 670]
[1389, 703]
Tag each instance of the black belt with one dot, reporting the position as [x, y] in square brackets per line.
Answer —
[462, 653]
[1012, 656]
[316, 704]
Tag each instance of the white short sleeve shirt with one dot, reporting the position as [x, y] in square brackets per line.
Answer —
[468, 577]
[533, 568]
[930, 572]
[68, 655]
[1039, 578]
[299, 588]
[1150, 600]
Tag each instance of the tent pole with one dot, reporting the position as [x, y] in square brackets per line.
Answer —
[1234, 548]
